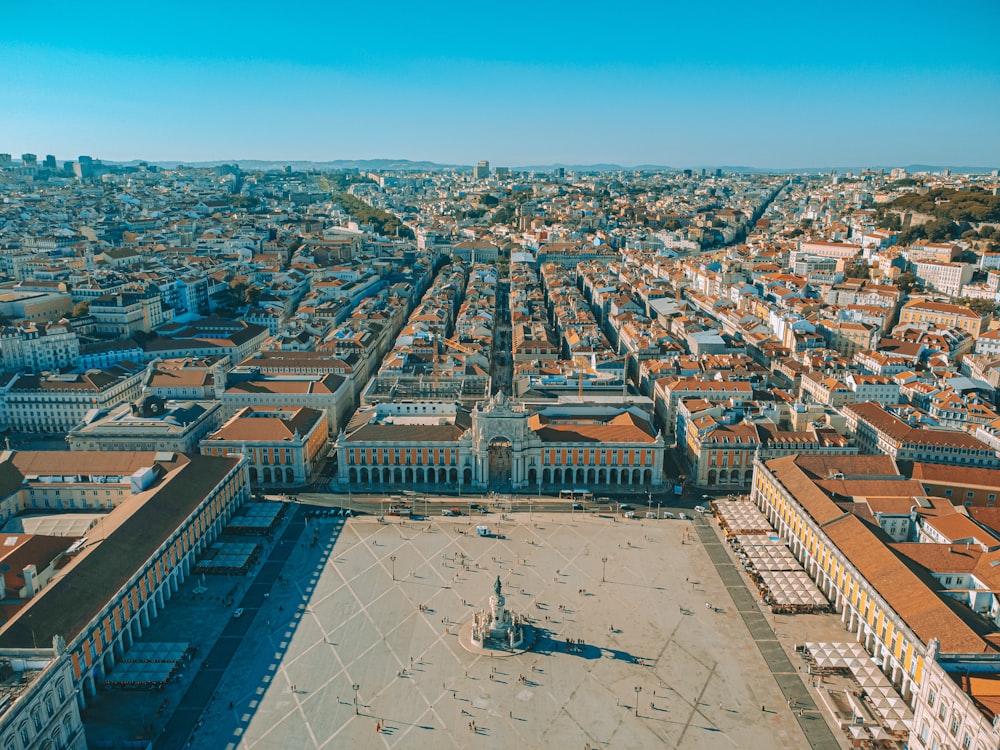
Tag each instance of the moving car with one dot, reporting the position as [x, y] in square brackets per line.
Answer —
[702, 509]
[577, 506]
[238, 613]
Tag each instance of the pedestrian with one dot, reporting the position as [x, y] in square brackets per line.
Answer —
[510, 714]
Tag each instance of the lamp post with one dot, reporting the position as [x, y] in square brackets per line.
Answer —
[658, 504]
[637, 691]
[392, 559]
[356, 687]
[604, 569]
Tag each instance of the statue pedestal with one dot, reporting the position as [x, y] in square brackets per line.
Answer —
[495, 630]
[465, 639]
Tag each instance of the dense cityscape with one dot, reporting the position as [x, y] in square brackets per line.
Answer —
[232, 398]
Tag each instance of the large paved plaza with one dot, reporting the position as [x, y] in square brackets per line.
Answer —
[339, 619]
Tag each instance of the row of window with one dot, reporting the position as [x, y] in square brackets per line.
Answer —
[24, 729]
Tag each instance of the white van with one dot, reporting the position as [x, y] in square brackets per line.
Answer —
[483, 530]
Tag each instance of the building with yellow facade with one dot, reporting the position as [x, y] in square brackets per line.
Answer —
[941, 656]
[160, 511]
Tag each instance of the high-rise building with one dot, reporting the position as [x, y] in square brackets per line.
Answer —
[29, 160]
[482, 170]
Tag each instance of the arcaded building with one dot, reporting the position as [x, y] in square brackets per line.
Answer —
[162, 511]
[499, 446]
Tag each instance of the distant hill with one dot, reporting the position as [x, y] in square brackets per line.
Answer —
[406, 165]
[395, 165]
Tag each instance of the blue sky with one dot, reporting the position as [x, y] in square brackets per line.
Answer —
[682, 84]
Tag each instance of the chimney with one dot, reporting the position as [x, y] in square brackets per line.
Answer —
[30, 573]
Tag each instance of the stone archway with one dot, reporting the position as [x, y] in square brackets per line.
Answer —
[500, 464]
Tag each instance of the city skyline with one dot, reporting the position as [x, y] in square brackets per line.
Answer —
[520, 85]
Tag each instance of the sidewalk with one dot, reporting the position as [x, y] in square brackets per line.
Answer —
[188, 715]
[789, 679]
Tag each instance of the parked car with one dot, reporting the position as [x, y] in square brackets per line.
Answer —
[447, 512]
[577, 506]
[685, 517]
[702, 509]
[625, 506]
[668, 514]
[238, 613]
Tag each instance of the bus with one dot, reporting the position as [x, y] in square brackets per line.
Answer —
[580, 496]
[399, 510]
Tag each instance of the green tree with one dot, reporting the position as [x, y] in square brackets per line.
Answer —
[82, 309]
[242, 293]
[889, 220]
[858, 270]
[906, 281]
[981, 306]
[244, 201]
